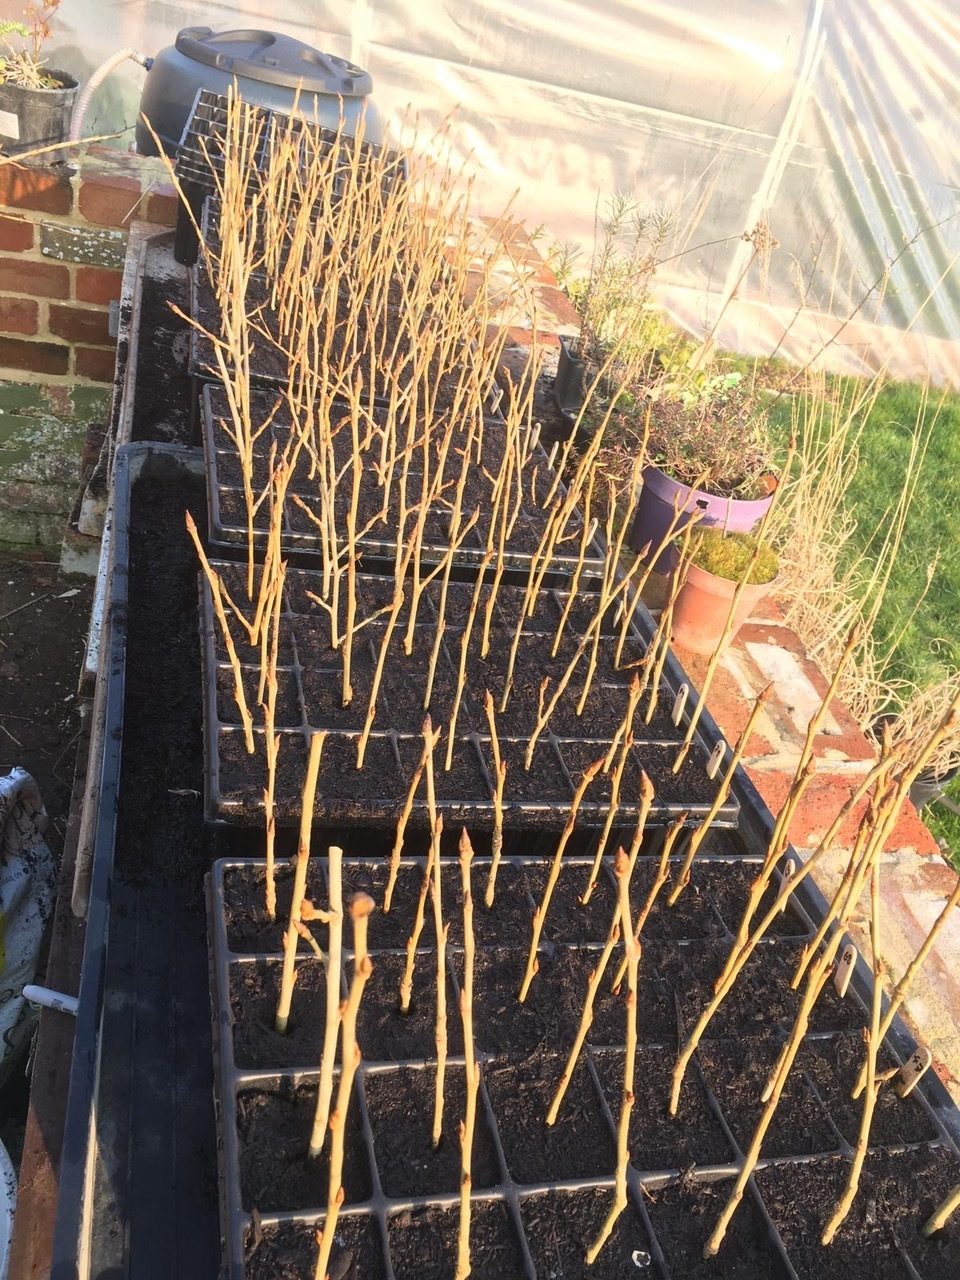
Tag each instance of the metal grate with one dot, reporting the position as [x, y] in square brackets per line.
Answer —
[201, 151]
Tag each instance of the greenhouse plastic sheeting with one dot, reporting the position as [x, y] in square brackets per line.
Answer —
[834, 119]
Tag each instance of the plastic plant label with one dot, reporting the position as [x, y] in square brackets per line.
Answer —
[679, 702]
[845, 968]
[716, 758]
[552, 456]
[789, 871]
[10, 125]
[912, 1070]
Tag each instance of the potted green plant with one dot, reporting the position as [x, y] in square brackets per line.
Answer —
[709, 457]
[36, 101]
[613, 299]
[716, 565]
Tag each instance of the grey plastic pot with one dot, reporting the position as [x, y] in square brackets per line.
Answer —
[661, 498]
[32, 118]
[930, 786]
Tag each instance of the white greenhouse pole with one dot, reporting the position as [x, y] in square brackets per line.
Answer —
[779, 155]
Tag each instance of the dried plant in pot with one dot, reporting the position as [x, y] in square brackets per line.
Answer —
[36, 101]
[717, 564]
[709, 457]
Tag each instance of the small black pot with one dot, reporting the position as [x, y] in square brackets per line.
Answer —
[568, 383]
[32, 118]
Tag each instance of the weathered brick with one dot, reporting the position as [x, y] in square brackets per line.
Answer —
[38, 279]
[18, 315]
[77, 324]
[35, 498]
[95, 246]
[34, 357]
[21, 398]
[88, 403]
[96, 363]
[16, 234]
[109, 200]
[94, 284]
[162, 206]
[46, 190]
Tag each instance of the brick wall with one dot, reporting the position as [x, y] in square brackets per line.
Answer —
[63, 233]
[63, 237]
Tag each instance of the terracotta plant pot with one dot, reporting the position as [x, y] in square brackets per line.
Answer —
[660, 497]
[703, 605]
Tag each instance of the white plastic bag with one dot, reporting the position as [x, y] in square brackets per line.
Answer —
[27, 886]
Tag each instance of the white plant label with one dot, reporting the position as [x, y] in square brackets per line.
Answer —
[679, 702]
[789, 871]
[912, 1070]
[848, 961]
[716, 758]
[10, 125]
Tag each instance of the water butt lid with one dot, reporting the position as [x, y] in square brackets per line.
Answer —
[274, 59]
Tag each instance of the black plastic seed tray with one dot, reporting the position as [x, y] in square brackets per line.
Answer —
[353, 343]
[200, 153]
[310, 698]
[538, 1192]
[227, 510]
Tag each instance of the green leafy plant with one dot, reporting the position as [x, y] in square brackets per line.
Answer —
[716, 441]
[728, 555]
[24, 41]
[613, 298]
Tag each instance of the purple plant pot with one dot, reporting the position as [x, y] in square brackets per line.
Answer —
[661, 498]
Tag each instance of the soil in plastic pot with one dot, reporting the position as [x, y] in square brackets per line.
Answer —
[274, 1123]
[401, 1105]
[578, 1145]
[683, 1215]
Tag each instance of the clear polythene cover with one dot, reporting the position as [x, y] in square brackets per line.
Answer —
[836, 120]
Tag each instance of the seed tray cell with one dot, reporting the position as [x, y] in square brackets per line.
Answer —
[310, 689]
[881, 1235]
[536, 1188]
[377, 524]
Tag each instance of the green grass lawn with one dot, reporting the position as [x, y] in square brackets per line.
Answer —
[930, 641]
